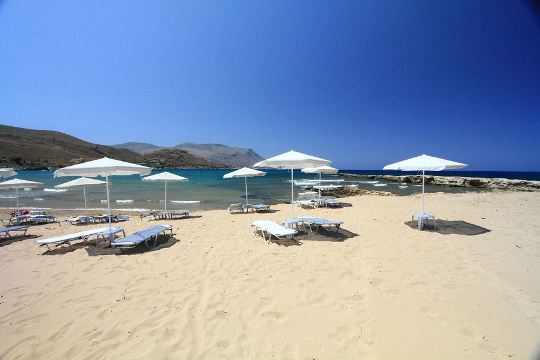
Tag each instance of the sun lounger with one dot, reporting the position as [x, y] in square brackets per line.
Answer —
[43, 218]
[328, 202]
[261, 207]
[7, 230]
[234, 208]
[114, 218]
[305, 204]
[309, 221]
[256, 208]
[83, 219]
[269, 228]
[33, 219]
[171, 214]
[143, 236]
[84, 235]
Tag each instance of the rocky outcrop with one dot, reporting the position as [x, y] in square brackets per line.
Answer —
[458, 181]
[346, 191]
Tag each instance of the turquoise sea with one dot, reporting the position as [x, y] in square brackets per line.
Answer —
[206, 186]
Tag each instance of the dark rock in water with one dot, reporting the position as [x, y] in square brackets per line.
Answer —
[458, 181]
[346, 191]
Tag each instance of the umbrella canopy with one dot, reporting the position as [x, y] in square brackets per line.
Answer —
[165, 177]
[19, 184]
[7, 172]
[320, 170]
[244, 173]
[104, 167]
[425, 163]
[81, 182]
[292, 160]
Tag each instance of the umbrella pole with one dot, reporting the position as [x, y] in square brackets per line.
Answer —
[423, 182]
[319, 186]
[165, 196]
[292, 193]
[85, 207]
[245, 182]
[17, 196]
[109, 209]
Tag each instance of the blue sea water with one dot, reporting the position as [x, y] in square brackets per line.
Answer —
[206, 186]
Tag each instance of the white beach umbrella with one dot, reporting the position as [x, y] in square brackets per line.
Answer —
[7, 172]
[104, 167]
[425, 163]
[320, 170]
[292, 160]
[165, 177]
[244, 173]
[81, 182]
[19, 184]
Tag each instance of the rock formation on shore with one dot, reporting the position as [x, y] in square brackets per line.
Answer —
[345, 191]
[458, 181]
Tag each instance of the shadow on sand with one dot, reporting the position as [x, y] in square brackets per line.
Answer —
[10, 240]
[448, 227]
[103, 248]
[163, 242]
[321, 235]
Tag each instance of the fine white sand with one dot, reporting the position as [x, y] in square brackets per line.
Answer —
[387, 291]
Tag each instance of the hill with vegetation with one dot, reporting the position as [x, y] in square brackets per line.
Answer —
[41, 149]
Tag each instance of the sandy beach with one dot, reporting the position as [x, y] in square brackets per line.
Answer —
[383, 291]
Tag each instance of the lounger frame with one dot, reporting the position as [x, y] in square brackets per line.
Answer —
[122, 244]
[19, 228]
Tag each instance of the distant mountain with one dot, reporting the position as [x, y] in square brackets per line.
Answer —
[138, 147]
[178, 158]
[214, 153]
[40, 149]
[232, 156]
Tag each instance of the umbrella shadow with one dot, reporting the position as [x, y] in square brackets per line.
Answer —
[64, 249]
[328, 235]
[5, 241]
[322, 235]
[163, 242]
[451, 227]
[269, 211]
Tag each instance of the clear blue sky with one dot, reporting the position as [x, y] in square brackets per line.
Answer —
[364, 83]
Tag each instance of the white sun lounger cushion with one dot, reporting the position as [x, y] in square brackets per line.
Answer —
[78, 235]
[141, 236]
[272, 228]
[7, 230]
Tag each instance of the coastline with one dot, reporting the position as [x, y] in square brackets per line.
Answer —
[456, 181]
[219, 291]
